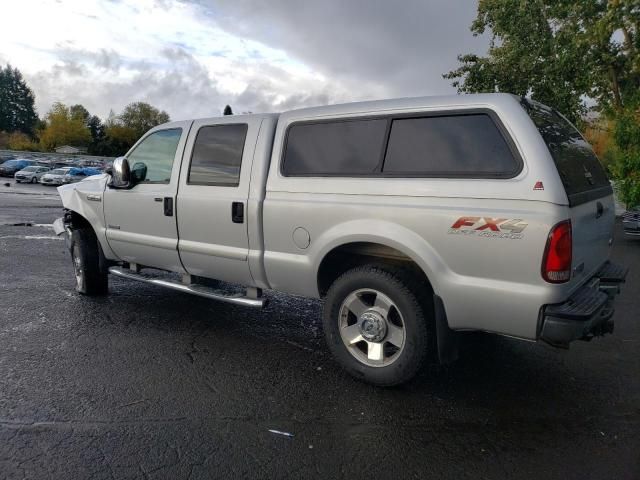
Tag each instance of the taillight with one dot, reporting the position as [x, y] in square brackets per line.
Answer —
[556, 263]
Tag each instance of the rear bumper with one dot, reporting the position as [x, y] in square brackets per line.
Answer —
[587, 313]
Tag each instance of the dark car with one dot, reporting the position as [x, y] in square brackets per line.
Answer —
[10, 167]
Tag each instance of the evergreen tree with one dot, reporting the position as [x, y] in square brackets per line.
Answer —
[17, 109]
[227, 110]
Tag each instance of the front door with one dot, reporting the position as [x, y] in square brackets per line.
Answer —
[141, 221]
[212, 208]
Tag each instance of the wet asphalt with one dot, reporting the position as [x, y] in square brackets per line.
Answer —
[150, 383]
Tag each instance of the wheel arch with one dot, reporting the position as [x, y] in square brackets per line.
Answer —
[384, 242]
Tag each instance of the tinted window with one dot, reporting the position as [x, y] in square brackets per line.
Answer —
[460, 145]
[579, 168]
[217, 155]
[334, 148]
[156, 153]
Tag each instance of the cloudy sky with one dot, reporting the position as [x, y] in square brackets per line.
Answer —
[191, 58]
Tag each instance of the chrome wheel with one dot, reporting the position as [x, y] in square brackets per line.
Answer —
[372, 327]
[77, 266]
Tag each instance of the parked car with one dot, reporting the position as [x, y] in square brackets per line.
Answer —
[414, 219]
[80, 173]
[55, 177]
[10, 167]
[30, 174]
[631, 221]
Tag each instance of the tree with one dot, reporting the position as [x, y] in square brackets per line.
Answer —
[98, 134]
[227, 110]
[21, 141]
[79, 112]
[141, 117]
[17, 110]
[565, 53]
[558, 51]
[63, 129]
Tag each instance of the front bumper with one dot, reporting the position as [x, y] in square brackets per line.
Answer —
[587, 313]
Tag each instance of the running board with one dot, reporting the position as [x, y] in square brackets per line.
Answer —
[194, 288]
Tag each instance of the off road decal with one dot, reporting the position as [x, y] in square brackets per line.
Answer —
[510, 228]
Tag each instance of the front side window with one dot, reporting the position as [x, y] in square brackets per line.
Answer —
[153, 157]
[217, 155]
[340, 147]
[467, 145]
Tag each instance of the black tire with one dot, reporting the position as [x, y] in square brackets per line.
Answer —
[405, 292]
[34, 179]
[91, 276]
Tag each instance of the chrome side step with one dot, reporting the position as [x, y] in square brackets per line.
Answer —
[200, 290]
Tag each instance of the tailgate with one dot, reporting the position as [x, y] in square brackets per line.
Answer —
[592, 226]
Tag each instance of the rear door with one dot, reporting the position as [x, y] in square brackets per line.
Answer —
[212, 202]
[592, 209]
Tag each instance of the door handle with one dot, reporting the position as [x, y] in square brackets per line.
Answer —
[237, 212]
[168, 206]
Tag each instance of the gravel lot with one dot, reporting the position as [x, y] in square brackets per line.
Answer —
[150, 383]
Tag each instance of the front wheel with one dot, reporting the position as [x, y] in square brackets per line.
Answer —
[375, 325]
[91, 278]
[34, 179]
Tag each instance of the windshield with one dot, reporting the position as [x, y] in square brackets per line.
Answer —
[59, 171]
[30, 169]
[582, 175]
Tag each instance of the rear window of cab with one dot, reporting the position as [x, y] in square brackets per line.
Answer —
[452, 145]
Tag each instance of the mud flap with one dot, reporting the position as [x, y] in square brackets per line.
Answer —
[447, 338]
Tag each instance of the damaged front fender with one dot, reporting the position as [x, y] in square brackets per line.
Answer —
[85, 199]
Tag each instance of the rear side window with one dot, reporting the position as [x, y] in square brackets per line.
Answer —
[217, 155]
[345, 148]
[449, 146]
[580, 170]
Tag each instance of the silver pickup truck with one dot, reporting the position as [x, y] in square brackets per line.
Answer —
[414, 219]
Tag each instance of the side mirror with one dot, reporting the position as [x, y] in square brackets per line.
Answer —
[120, 174]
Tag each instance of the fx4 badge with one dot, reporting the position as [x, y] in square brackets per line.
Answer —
[511, 228]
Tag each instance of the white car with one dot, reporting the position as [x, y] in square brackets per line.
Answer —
[55, 177]
[31, 174]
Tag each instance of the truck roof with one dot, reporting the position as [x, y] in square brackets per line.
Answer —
[381, 105]
[406, 103]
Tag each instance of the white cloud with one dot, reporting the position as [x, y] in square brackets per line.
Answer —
[192, 58]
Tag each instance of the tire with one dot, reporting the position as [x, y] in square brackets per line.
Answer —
[382, 350]
[91, 277]
[34, 179]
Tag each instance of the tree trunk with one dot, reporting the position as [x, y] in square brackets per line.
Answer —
[615, 87]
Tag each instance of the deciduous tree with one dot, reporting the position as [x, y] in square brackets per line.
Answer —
[62, 128]
[140, 117]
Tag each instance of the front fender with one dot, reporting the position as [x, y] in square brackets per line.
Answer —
[85, 198]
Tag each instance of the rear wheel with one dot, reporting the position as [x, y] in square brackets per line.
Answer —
[91, 278]
[375, 325]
